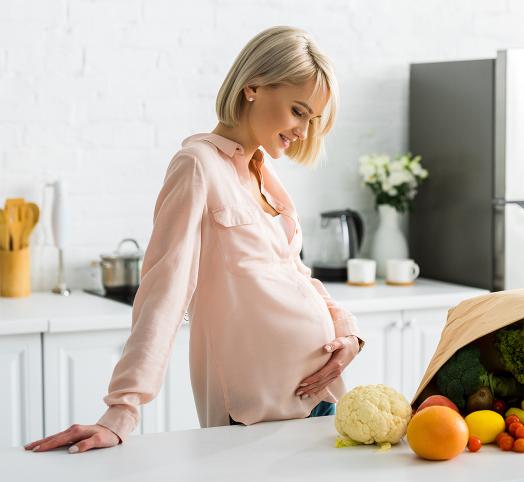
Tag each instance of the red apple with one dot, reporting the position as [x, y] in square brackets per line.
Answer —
[437, 400]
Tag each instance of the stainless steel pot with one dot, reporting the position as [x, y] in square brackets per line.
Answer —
[121, 271]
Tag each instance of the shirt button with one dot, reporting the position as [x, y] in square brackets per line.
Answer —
[280, 208]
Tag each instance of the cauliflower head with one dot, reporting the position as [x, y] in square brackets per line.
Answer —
[373, 414]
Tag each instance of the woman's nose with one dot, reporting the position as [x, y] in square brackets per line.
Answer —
[301, 132]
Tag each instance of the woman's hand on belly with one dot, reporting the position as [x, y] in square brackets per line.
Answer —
[344, 349]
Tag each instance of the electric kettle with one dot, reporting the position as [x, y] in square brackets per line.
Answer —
[338, 237]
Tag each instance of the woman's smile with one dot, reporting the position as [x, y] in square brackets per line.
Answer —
[284, 141]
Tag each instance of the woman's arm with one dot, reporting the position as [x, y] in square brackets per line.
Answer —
[168, 280]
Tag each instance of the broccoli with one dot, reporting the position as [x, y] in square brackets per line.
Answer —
[510, 345]
[463, 374]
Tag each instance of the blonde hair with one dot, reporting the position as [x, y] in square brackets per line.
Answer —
[282, 55]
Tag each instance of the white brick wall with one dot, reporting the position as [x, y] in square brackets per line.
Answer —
[103, 91]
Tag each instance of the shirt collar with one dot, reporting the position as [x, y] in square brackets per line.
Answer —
[235, 151]
[229, 147]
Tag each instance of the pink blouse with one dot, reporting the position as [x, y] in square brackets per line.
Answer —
[259, 321]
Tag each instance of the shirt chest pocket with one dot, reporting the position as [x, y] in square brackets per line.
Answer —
[241, 237]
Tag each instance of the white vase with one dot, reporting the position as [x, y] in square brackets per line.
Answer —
[389, 241]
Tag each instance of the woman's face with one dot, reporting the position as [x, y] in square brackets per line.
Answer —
[283, 111]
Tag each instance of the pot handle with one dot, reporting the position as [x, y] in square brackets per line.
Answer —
[127, 240]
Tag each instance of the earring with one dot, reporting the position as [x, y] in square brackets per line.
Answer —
[250, 99]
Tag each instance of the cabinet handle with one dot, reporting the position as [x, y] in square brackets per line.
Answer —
[407, 324]
[395, 324]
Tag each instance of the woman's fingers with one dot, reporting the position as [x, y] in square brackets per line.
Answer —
[84, 437]
[319, 387]
[318, 375]
[343, 351]
[326, 383]
[336, 344]
[32, 445]
[90, 443]
[319, 384]
[67, 437]
[100, 439]
[335, 364]
[71, 435]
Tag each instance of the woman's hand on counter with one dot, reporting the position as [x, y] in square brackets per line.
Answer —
[84, 437]
[344, 349]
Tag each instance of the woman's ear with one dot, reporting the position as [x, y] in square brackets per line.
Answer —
[250, 91]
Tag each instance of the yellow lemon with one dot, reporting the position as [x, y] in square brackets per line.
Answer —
[485, 424]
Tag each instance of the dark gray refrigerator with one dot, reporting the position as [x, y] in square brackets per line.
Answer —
[466, 120]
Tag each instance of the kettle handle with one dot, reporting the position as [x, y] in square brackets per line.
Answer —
[359, 226]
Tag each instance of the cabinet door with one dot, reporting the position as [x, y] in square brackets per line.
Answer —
[174, 407]
[421, 331]
[380, 359]
[77, 370]
[21, 414]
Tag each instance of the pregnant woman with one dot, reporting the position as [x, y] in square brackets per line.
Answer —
[267, 340]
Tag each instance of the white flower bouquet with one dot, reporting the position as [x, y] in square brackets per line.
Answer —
[393, 181]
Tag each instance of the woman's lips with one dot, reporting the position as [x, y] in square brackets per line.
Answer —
[285, 141]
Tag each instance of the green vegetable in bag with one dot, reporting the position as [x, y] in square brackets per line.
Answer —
[463, 374]
[510, 344]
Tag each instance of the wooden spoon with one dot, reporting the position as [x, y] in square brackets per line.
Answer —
[15, 225]
[30, 216]
[4, 232]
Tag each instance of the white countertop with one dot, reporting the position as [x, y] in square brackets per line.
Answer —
[301, 450]
[425, 293]
[80, 311]
[50, 312]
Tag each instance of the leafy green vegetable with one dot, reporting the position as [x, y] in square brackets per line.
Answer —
[510, 344]
[341, 442]
[463, 374]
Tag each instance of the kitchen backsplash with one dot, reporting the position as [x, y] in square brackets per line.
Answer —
[106, 103]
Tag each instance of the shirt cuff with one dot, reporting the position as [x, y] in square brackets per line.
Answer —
[346, 325]
[360, 342]
[118, 420]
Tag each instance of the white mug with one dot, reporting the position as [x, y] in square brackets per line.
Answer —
[401, 271]
[361, 271]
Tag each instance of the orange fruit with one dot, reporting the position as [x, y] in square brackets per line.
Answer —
[437, 433]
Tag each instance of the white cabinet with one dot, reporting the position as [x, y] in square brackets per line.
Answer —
[378, 360]
[399, 346]
[420, 337]
[77, 370]
[174, 407]
[21, 408]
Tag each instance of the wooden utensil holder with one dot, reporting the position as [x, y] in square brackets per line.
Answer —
[15, 273]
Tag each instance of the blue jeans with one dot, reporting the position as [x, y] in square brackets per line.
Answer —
[323, 408]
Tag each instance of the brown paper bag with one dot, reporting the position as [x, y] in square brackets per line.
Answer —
[469, 320]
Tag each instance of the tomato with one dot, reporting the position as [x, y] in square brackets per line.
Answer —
[511, 419]
[519, 433]
[518, 446]
[499, 436]
[506, 443]
[474, 444]
[499, 406]
[514, 427]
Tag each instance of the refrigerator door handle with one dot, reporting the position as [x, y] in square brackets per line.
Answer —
[503, 202]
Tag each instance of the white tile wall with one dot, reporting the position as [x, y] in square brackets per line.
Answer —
[103, 92]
